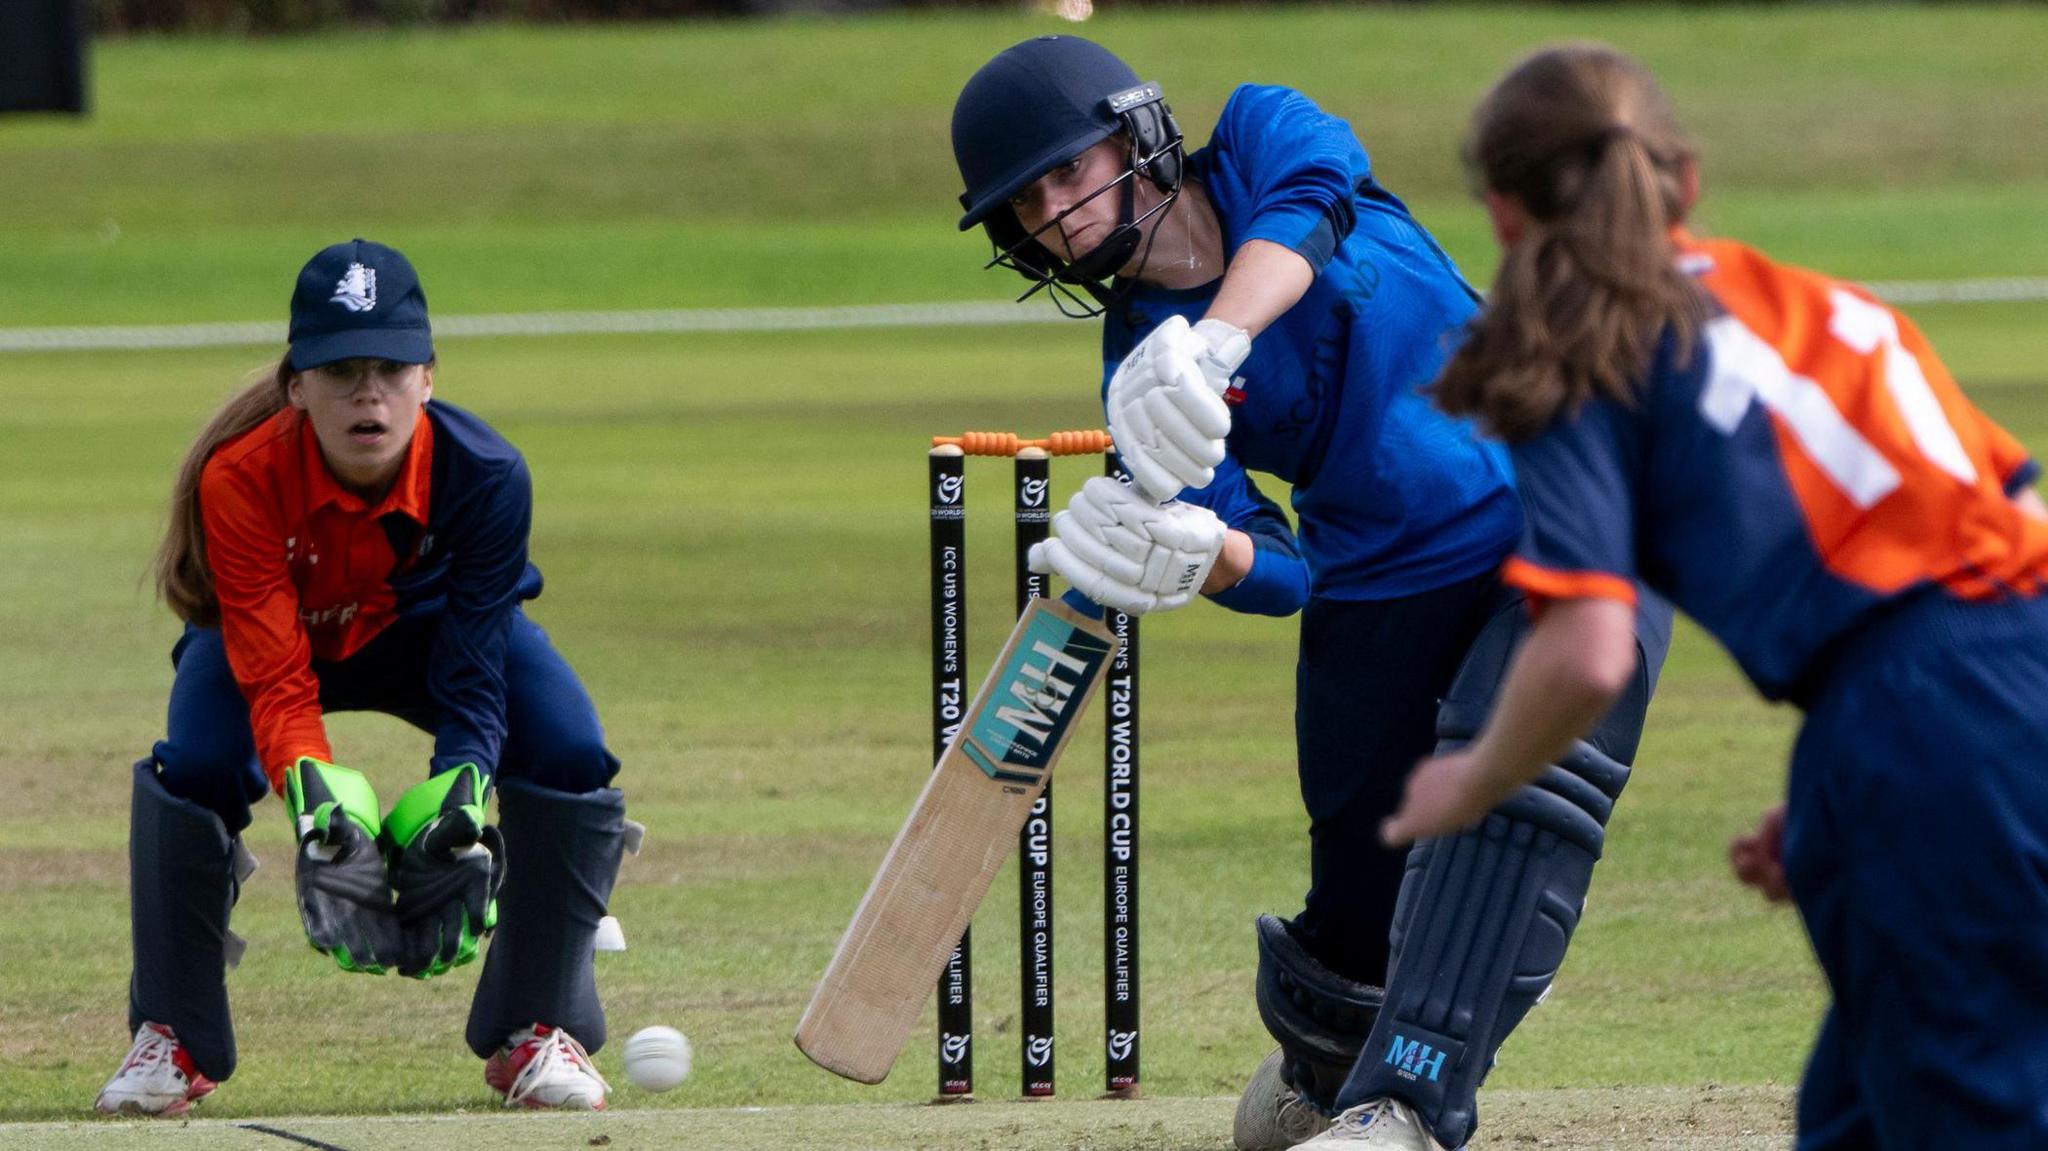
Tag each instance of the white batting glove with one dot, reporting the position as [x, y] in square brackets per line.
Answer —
[1125, 552]
[1165, 404]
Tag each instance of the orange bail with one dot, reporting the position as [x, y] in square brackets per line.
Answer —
[1074, 443]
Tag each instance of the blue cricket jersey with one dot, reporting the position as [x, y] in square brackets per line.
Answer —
[1393, 497]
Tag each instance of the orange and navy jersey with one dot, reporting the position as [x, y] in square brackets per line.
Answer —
[1810, 461]
[308, 572]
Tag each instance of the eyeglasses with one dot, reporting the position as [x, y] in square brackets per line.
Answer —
[343, 378]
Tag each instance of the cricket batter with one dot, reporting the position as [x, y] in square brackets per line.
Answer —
[340, 540]
[1268, 305]
[1787, 459]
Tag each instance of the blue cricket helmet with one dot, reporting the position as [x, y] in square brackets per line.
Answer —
[1037, 105]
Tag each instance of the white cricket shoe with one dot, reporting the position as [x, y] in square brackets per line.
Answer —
[1381, 1125]
[157, 1078]
[544, 1067]
[1271, 1116]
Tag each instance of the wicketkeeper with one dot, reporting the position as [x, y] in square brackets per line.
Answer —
[1269, 305]
[341, 541]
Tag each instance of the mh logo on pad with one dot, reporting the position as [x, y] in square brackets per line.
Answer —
[1030, 701]
[1413, 1059]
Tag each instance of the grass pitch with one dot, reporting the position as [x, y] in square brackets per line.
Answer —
[733, 536]
[1707, 1118]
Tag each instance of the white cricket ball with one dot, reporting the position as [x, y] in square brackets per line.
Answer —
[657, 1058]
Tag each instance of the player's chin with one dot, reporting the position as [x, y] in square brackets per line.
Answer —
[1083, 243]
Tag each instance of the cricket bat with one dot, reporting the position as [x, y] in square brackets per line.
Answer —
[964, 826]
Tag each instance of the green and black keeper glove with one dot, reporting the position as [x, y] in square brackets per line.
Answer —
[447, 863]
[344, 892]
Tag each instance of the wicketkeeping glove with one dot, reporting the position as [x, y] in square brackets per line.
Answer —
[447, 863]
[344, 894]
[1125, 552]
[1165, 404]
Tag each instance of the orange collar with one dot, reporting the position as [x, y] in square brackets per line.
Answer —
[408, 494]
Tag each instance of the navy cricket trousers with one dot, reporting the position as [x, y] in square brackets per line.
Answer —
[1916, 847]
[208, 754]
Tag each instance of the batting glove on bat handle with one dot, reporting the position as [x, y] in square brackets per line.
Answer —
[1127, 553]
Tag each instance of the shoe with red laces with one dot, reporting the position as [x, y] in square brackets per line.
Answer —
[544, 1067]
[157, 1078]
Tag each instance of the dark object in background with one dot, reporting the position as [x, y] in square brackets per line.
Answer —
[42, 56]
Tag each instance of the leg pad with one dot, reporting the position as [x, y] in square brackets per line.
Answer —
[562, 857]
[184, 874]
[1320, 1018]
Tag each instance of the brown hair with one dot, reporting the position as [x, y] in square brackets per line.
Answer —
[182, 577]
[1583, 140]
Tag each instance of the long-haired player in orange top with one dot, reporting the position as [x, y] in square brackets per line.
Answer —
[1784, 457]
[342, 539]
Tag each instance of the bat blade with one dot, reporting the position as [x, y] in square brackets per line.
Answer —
[962, 828]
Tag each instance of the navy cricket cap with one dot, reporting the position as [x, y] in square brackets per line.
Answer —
[359, 300]
[1036, 105]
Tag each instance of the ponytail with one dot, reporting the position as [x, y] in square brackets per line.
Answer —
[182, 577]
[1582, 140]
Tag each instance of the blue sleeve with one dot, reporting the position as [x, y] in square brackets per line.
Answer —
[1278, 581]
[1301, 166]
[1578, 481]
[466, 673]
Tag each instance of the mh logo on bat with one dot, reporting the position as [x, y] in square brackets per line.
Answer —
[1030, 702]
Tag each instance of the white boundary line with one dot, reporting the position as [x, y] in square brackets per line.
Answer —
[158, 336]
[2010, 290]
[2017, 289]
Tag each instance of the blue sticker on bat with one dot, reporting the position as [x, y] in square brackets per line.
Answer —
[1031, 701]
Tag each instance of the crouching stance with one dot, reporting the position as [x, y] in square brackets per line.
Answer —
[337, 543]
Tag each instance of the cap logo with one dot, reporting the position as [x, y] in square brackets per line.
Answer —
[357, 290]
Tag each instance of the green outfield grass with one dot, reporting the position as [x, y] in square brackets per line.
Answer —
[732, 526]
[738, 570]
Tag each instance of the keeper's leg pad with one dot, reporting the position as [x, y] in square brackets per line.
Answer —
[562, 855]
[1320, 1018]
[184, 875]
